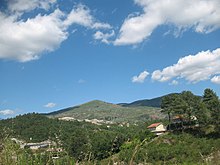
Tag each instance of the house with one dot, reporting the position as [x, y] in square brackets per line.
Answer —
[181, 118]
[180, 122]
[36, 146]
[157, 128]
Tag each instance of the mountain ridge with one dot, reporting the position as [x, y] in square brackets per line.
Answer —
[143, 102]
[140, 110]
[154, 102]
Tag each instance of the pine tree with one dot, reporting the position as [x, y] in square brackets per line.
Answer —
[202, 114]
[173, 104]
[212, 103]
[191, 103]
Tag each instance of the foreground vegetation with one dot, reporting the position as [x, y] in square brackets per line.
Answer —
[88, 143]
[81, 141]
[175, 148]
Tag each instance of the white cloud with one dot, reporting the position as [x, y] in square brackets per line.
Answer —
[81, 15]
[203, 16]
[28, 5]
[140, 78]
[6, 112]
[216, 79]
[103, 37]
[50, 105]
[193, 68]
[26, 40]
[99, 25]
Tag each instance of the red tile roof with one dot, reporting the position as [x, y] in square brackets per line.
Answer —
[153, 125]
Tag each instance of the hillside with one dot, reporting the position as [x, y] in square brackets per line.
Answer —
[108, 112]
[176, 148]
[155, 102]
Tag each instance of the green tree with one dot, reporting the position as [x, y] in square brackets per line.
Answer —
[172, 104]
[212, 103]
[210, 99]
[79, 146]
[202, 114]
[191, 103]
[166, 105]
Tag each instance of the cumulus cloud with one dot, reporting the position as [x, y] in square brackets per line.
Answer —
[216, 79]
[202, 16]
[6, 112]
[81, 15]
[193, 68]
[27, 39]
[104, 37]
[28, 5]
[140, 78]
[50, 105]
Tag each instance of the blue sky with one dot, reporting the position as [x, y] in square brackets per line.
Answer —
[55, 53]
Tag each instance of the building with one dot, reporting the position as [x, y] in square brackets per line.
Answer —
[178, 119]
[34, 146]
[157, 128]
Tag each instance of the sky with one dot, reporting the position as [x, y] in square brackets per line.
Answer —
[60, 53]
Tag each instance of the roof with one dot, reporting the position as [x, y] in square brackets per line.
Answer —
[178, 117]
[153, 125]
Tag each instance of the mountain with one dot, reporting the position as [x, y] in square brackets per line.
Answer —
[140, 110]
[155, 102]
[108, 112]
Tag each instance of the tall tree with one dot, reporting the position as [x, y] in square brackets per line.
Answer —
[210, 99]
[166, 105]
[172, 104]
[202, 114]
[191, 103]
[212, 103]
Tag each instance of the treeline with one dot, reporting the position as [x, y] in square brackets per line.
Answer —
[81, 140]
[205, 109]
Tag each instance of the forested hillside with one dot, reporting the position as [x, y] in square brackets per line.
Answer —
[109, 112]
[155, 102]
[80, 140]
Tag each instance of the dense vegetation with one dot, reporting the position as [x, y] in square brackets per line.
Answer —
[129, 144]
[81, 140]
[205, 109]
[176, 148]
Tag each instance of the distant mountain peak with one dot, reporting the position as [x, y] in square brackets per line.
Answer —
[105, 111]
[95, 101]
